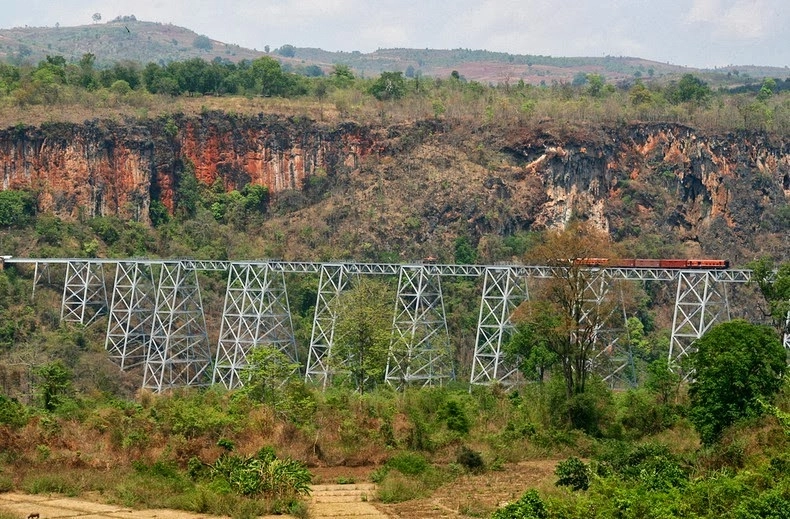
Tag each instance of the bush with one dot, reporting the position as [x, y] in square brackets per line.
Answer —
[12, 412]
[770, 504]
[455, 416]
[573, 473]
[737, 364]
[409, 463]
[263, 475]
[470, 460]
[529, 506]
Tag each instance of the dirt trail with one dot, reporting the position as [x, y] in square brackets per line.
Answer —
[57, 506]
[331, 501]
[467, 496]
[345, 501]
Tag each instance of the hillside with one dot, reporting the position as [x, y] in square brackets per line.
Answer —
[410, 190]
[129, 39]
[117, 40]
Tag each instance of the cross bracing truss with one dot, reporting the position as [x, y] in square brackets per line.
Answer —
[256, 313]
[503, 289]
[332, 281]
[700, 302]
[178, 350]
[84, 293]
[131, 313]
[420, 347]
[611, 357]
[699, 298]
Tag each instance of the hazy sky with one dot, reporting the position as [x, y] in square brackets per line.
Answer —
[698, 33]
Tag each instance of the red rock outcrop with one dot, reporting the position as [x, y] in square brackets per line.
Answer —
[107, 168]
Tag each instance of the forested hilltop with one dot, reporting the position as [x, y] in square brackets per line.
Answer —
[127, 39]
[219, 160]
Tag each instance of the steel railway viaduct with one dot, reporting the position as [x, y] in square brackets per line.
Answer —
[156, 320]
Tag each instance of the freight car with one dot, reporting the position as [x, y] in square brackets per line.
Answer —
[654, 263]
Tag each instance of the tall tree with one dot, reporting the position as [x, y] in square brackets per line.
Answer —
[363, 333]
[774, 285]
[736, 366]
[389, 86]
[567, 314]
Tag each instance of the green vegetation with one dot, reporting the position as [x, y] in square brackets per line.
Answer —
[655, 446]
[144, 87]
[736, 366]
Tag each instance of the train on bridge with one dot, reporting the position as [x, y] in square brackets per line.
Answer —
[654, 263]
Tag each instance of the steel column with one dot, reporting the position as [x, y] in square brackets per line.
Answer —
[131, 313]
[178, 352]
[84, 293]
[699, 303]
[420, 347]
[332, 281]
[256, 313]
[503, 290]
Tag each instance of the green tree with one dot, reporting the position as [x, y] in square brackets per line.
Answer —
[265, 375]
[388, 86]
[767, 89]
[202, 42]
[187, 194]
[640, 95]
[465, 253]
[287, 51]
[596, 84]
[529, 347]
[774, 285]
[689, 89]
[736, 365]
[342, 76]
[269, 78]
[363, 333]
[16, 207]
[565, 318]
[53, 385]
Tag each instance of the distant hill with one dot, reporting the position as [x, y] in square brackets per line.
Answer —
[126, 38]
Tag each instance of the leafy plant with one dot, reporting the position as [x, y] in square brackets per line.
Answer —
[263, 474]
[529, 506]
[573, 473]
[736, 364]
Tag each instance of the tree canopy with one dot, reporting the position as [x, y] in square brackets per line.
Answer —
[737, 365]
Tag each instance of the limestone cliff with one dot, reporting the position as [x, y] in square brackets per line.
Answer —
[413, 189]
[105, 168]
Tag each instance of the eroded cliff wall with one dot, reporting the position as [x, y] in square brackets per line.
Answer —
[413, 187]
[105, 168]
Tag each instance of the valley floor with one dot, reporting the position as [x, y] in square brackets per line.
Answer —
[467, 496]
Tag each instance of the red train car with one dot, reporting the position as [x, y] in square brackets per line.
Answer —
[654, 263]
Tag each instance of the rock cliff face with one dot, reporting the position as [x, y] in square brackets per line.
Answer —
[680, 179]
[718, 191]
[105, 168]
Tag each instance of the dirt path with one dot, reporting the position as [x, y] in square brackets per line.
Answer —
[332, 501]
[466, 496]
[345, 501]
[56, 506]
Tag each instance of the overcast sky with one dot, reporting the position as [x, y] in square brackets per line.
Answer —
[697, 33]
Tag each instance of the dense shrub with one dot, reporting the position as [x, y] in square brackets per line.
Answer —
[529, 506]
[737, 364]
[263, 474]
[471, 460]
[573, 473]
